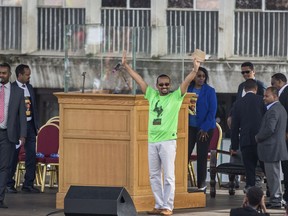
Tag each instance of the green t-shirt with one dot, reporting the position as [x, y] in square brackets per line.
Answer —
[163, 114]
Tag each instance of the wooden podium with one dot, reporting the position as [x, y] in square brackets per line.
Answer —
[103, 142]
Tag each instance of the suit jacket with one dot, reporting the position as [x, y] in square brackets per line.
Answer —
[284, 101]
[246, 211]
[260, 90]
[271, 136]
[16, 123]
[34, 105]
[247, 116]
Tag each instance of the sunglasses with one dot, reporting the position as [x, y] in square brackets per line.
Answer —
[245, 72]
[163, 84]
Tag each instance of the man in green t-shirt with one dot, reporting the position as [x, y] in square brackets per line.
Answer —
[162, 134]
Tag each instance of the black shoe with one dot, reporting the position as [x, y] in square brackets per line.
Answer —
[273, 206]
[11, 190]
[30, 189]
[2, 205]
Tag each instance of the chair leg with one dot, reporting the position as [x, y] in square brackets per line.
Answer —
[212, 182]
[38, 175]
[17, 174]
[192, 174]
[43, 177]
[231, 184]
[219, 180]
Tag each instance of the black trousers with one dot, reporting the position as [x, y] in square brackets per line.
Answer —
[250, 160]
[6, 152]
[202, 153]
[30, 158]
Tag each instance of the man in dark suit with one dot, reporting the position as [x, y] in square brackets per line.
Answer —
[12, 124]
[248, 72]
[272, 144]
[247, 115]
[253, 204]
[279, 81]
[23, 74]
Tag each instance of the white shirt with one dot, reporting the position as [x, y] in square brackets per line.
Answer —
[270, 105]
[282, 89]
[7, 90]
[26, 93]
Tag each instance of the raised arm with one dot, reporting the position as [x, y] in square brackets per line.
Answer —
[140, 81]
[188, 79]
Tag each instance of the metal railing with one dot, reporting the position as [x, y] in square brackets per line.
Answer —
[116, 36]
[201, 29]
[51, 26]
[261, 34]
[10, 25]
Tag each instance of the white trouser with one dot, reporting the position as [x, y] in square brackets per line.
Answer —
[161, 155]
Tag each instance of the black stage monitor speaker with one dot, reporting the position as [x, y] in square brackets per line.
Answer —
[105, 201]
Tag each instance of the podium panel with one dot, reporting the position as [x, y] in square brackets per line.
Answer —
[103, 142]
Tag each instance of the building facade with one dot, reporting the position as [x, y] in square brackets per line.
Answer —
[229, 31]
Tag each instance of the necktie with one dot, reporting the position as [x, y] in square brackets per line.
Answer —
[2, 102]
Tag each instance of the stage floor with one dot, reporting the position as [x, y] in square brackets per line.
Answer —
[23, 204]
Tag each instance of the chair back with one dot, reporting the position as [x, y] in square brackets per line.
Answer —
[48, 139]
[216, 139]
[53, 120]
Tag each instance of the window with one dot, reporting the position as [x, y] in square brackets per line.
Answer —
[180, 3]
[62, 3]
[113, 3]
[125, 3]
[207, 4]
[276, 5]
[10, 2]
[140, 4]
[248, 4]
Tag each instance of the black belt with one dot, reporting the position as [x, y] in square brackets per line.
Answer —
[3, 129]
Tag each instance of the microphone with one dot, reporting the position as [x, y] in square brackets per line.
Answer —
[83, 74]
[0, 80]
[116, 67]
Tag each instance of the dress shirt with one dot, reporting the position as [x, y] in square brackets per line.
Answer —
[282, 89]
[7, 89]
[26, 93]
[270, 105]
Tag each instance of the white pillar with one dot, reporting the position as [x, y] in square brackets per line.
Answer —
[29, 26]
[226, 29]
[93, 11]
[159, 30]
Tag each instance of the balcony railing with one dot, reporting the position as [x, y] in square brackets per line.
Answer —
[10, 25]
[261, 34]
[51, 26]
[201, 29]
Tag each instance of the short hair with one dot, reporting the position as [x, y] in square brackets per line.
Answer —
[250, 84]
[162, 75]
[248, 64]
[273, 90]
[5, 64]
[280, 76]
[20, 69]
[254, 195]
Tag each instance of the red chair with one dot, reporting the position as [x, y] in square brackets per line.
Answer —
[47, 152]
[215, 144]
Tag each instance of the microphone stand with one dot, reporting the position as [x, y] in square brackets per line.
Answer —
[83, 74]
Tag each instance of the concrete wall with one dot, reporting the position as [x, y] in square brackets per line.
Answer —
[225, 76]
